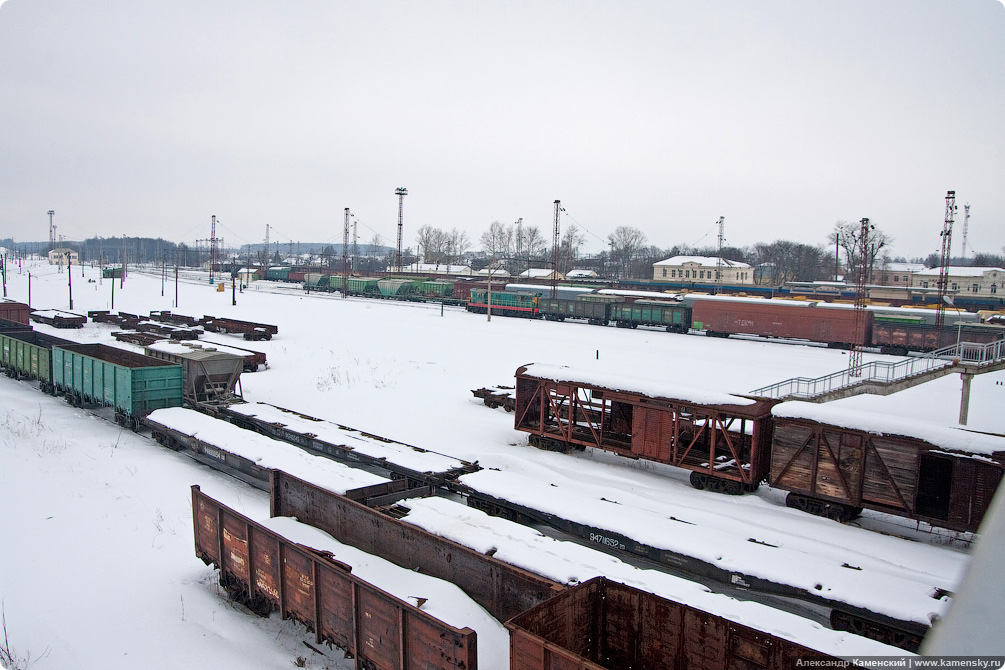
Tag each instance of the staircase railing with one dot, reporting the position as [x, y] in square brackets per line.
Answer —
[884, 372]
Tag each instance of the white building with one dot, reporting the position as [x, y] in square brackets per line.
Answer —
[896, 274]
[540, 273]
[581, 274]
[703, 269]
[58, 256]
[978, 281]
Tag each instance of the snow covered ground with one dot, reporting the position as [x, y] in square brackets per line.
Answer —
[97, 568]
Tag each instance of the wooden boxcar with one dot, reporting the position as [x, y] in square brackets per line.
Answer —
[131, 383]
[270, 572]
[835, 462]
[776, 318]
[899, 338]
[14, 311]
[28, 355]
[676, 318]
[722, 439]
[602, 624]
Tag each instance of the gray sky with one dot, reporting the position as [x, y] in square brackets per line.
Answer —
[147, 118]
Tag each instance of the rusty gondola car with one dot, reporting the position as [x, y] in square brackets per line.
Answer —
[834, 463]
[267, 572]
[602, 624]
[723, 439]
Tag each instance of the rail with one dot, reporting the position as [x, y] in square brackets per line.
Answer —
[980, 357]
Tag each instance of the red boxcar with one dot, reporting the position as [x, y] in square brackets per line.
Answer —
[778, 318]
[723, 439]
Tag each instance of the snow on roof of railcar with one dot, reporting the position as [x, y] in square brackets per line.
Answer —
[938, 435]
[647, 387]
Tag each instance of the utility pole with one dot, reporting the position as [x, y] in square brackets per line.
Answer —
[345, 255]
[52, 231]
[355, 249]
[175, 280]
[267, 245]
[556, 234]
[947, 241]
[855, 354]
[718, 260]
[401, 192]
[69, 276]
[122, 275]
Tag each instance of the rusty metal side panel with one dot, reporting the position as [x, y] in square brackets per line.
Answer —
[235, 547]
[705, 641]
[206, 527]
[660, 632]
[380, 623]
[502, 589]
[336, 616]
[266, 567]
[428, 647]
[298, 586]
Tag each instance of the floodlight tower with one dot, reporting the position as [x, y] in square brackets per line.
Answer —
[556, 234]
[345, 255]
[52, 231]
[947, 242]
[718, 260]
[966, 224]
[401, 192]
[862, 278]
[212, 249]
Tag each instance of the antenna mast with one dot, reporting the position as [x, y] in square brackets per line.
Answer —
[554, 249]
[401, 192]
[947, 242]
[718, 260]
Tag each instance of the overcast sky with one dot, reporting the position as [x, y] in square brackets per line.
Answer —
[147, 118]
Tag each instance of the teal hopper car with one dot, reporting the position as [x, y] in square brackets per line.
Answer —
[675, 317]
[131, 383]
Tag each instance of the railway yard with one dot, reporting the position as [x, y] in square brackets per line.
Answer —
[100, 520]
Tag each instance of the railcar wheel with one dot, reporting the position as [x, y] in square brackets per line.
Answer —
[698, 480]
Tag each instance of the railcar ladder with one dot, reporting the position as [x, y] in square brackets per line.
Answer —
[884, 378]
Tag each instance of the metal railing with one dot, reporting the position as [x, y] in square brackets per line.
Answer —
[884, 373]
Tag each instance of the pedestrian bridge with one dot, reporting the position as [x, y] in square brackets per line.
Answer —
[884, 378]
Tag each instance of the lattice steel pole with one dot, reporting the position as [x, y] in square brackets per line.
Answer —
[947, 242]
[401, 192]
[855, 354]
[554, 248]
[345, 255]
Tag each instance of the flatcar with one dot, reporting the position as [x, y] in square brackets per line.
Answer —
[833, 463]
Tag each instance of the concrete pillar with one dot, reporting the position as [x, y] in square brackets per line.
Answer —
[965, 397]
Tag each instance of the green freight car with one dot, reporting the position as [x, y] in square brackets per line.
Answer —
[278, 274]
[363, 286]
[596, 312]
[111, 273]
[676, 318]
[397, 288]
[314, 281]
[437, 289]
[28, 355]
[131, 383]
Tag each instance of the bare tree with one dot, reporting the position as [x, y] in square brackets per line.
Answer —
[784, 261]
[626, 242]
[847, 236]
[568, 248]
[432, 244]
[457, 245]
[497, 241]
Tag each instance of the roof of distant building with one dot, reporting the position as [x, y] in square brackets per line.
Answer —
[959, 271]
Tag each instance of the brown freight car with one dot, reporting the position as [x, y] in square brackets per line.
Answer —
[267, 571]
[778, 318]
[835, 462]
[899, 338]
[722, 439]
[602, 624]
[15, 311]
